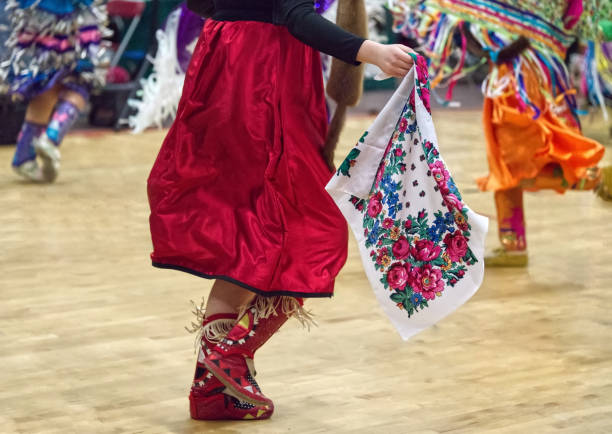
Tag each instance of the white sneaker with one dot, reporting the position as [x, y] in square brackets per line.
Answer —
[29, 170]
[50, 156]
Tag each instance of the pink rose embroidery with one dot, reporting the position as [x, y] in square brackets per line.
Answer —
[387, 223]
[456, 246]
[439, 173]
[422, 69]
[425, 99]
[375, 205]
[427, 281]
[398, 275]
[379, 174]
[453, 201]
[425, 250]
[403, 125]
[401, 248]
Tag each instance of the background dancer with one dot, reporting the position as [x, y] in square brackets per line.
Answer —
[530, 113]
[56, 58]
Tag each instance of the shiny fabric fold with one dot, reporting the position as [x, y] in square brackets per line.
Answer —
[237, 190]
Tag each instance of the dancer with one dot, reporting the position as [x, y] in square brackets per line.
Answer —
[55, 60]
[237, 190]
[530, 118]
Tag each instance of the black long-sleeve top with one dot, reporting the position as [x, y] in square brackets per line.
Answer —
[299, 16]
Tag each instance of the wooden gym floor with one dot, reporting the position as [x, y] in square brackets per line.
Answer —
[92, 338]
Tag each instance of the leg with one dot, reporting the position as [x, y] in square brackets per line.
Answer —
[604, 190]
[511, 224]
[228, 361]
[551, 177]
[65, 114]
[40, 108]
[597, 179]
[225, 297]
[78, 99]
[511, 219]
[208, 399]
[37, 115]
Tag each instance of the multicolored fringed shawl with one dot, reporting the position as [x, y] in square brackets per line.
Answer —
[595, 29]
[445, 27]
[593, 76]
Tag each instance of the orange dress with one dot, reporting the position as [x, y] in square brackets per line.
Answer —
[519, 147]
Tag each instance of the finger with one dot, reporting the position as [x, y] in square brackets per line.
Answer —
[405, 71]
[407, 49]
[400, 72]
[404, 57]
[403, 63]
[408, 53]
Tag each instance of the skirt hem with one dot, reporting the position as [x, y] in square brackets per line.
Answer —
[242, 284]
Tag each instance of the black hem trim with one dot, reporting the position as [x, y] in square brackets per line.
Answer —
[242, 284]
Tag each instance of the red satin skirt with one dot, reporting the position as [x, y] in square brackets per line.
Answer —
[237, 190]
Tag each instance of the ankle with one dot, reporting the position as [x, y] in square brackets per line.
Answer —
[25, 150]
